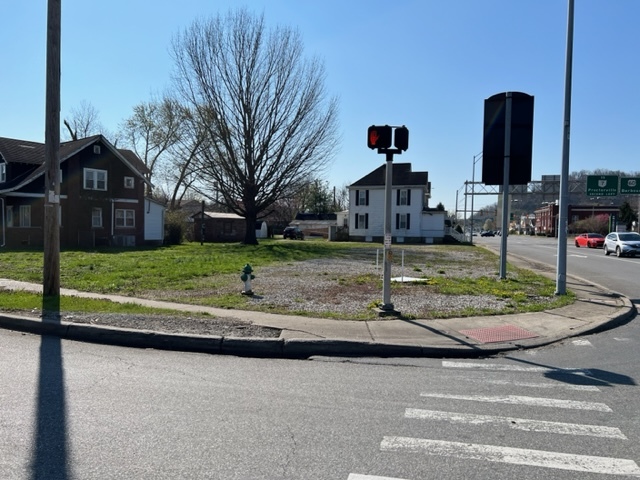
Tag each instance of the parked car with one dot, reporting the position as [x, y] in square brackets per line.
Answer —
[294, 233]
[488, 233]
[622, 243]
[590, 240]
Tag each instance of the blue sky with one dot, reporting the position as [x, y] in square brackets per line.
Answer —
[423, 63]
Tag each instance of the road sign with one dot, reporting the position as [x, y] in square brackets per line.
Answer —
[630, 185]
[602, 185]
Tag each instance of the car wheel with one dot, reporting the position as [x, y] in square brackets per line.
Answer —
[577, 244]
[605, 250]
[618, 252]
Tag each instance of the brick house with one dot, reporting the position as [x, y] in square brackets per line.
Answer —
[102, 195]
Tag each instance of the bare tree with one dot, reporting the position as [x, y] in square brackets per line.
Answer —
[83, 122]
[153, 129]
[269, 122]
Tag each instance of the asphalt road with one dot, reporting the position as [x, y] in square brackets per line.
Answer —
[618, 274]
[82, 411]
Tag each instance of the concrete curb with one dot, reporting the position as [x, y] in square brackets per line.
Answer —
[291, 348]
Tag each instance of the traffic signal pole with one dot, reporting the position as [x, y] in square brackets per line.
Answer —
[379, 137]
[388, 254]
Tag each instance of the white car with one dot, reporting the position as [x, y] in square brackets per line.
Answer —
[622, 243]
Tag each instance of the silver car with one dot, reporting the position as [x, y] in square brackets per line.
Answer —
[622, 243]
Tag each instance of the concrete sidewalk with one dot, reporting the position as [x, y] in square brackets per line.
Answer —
[596, 309]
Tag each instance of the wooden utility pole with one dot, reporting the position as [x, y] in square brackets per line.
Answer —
[51, 271]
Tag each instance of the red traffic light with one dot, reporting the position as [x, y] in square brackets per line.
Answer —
[379, 136]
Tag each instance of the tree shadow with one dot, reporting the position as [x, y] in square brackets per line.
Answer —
[50, 452]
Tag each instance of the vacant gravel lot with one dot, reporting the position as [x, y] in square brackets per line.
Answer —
[344, 288]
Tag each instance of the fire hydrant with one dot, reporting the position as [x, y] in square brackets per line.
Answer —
[246, 277]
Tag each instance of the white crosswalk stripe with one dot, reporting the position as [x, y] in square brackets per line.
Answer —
[356, 476]
[514, 368]
[517, 423]
[561, 386]
[517, 456]
[524, 400]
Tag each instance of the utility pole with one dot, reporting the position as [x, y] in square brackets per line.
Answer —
[51, 271]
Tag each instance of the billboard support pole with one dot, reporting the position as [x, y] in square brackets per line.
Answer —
[505, 188]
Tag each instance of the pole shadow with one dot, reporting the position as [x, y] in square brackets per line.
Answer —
[50, 450]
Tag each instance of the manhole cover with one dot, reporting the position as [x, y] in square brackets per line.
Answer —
[503, 333]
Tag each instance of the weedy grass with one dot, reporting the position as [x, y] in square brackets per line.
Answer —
[192, 268]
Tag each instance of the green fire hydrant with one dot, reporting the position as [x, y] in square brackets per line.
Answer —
[246, 277]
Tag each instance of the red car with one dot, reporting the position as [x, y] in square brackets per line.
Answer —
[591, 240]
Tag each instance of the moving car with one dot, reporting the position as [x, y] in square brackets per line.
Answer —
[622, 243]
[590, 240]
[294, 233]
[488, 233]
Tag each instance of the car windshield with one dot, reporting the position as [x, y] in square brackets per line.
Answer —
[629, 236]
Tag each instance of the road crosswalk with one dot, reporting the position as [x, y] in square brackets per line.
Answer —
[452, 448]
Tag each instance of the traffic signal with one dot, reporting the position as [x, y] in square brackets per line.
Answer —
[401, 138]
[379, 136]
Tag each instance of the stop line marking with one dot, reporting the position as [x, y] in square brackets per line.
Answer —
[517, 456]
[524, 424]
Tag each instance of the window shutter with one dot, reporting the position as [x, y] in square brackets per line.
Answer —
[366, 220]
[408, 197]
[356, 221]
[398, 197]
[357, 203]
[397, 221]
[408, 222]
[367, 194]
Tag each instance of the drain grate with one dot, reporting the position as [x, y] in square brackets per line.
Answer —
[503, 333]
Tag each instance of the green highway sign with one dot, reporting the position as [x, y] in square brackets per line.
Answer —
[630, 185]
[602, 185]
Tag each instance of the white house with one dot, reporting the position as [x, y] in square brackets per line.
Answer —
[153, 221]
[412, 221]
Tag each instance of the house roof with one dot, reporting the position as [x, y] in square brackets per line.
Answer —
[33, 153]
[219, 215]
[401, 175]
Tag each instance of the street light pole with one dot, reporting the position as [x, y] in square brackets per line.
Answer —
[561, 271]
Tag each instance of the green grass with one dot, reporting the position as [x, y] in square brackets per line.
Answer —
[192, 271]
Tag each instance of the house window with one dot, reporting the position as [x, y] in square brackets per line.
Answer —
[25, 215]
[3, 172]
[362, 221]
[125, 218]
[403, 221]
[96, 149]
[96, 217]
[9, 216]
[128, 182]
[403, 197]
[362, 197]
[95, 179]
